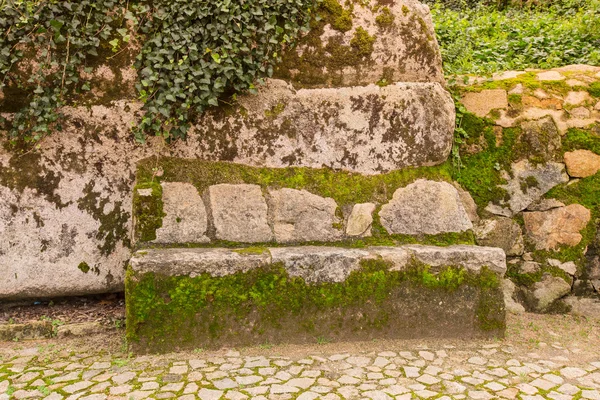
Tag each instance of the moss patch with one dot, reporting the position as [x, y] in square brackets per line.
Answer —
[167, 313]
[345, 188]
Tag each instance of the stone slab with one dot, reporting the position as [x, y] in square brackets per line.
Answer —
[425, 207]
[239, 213]
[202, 297]
[185, 219]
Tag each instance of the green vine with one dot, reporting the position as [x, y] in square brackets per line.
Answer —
[46, 50]
[194, 54]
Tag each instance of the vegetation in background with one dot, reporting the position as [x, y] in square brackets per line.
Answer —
[483, 39]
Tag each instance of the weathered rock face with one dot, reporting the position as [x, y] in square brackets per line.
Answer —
[425, 207]
[319, 264]
[300, 216]
[500, 232]
[471, 257]
[549, 229]
[541, 139]
[512, 306]
[368, 129]
[548, 290]
[582, 163]
[366, 42]
[528, 184]
[185, 215]
[360, 220]
[239, 213]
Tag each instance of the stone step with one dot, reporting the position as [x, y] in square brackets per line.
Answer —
[182, 298]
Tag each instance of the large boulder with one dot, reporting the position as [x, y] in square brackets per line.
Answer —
[368, 129]
[425, 207]
[559, 226]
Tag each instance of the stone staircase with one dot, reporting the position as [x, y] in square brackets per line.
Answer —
[237, 264]
[312, 231]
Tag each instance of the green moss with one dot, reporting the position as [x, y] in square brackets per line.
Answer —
[362, 42]
[84, 267]
[577, 139]
[275, 110]
[515, 99]
[405, 10]
[252, 250]
[529, 80]
[345, 188]
[594, 89]
[385, 19]
[148, 210]
[205, 308]
[336, 15]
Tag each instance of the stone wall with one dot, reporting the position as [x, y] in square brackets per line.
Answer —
[66, 219]
[532, 166]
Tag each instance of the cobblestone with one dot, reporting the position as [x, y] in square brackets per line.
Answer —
[534, 362]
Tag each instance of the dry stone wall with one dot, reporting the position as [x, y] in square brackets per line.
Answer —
[537, 146]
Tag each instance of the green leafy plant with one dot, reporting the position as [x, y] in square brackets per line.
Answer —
[198, 52]
[482, 39]
[46, 49]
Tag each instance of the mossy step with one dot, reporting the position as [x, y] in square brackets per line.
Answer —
[212, 297]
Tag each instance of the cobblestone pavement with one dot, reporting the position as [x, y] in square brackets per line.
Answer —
[553, 357]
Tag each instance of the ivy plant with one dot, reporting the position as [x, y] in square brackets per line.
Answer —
[194, 54]
[45, 49]
[197, 52]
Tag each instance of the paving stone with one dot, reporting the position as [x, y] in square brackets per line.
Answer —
[209, 394]
[572, 372]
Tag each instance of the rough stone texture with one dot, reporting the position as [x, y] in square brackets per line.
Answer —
[530, 182]
[80, 329]
[576, 98]
[481, 103]
[414, 310]
[425, 207]
[584, 307]
[550, 76]
[369, 129]
[185, 219]
[548, 290]
[544, 205]
[471, 257]
[509, 288]
[319, 264]
[582, 163]
[239, 213]
[569, 267]
[500, 232]
[404, 51]
[360, 220]
[542, 139]
[468, 203]
[30, 331]
[192, 262]
[300, 216]
[313, 263]
[559, 226]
